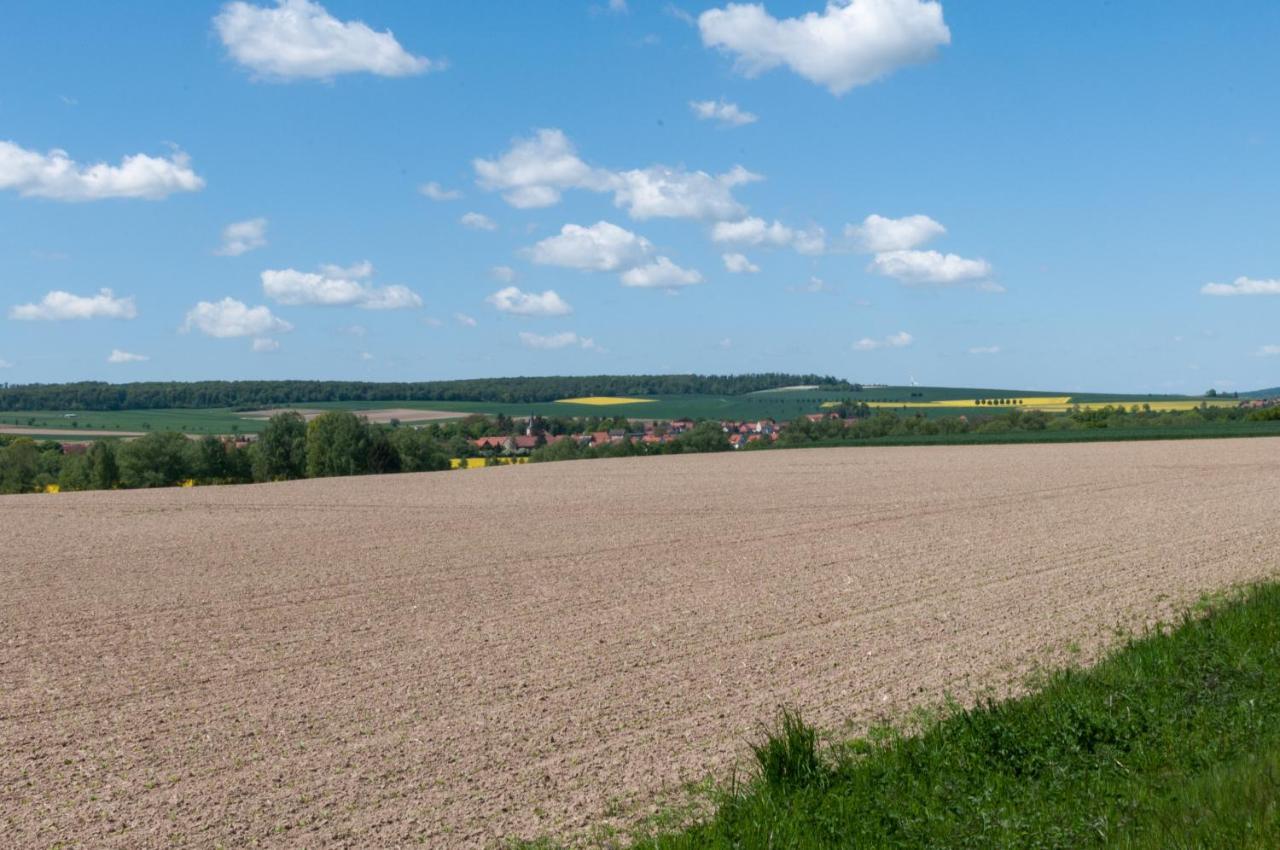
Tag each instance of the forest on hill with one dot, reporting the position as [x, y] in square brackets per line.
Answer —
[93, 395]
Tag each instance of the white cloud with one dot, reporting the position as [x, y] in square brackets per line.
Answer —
[931, 267]
[899, 340]
[298, 39]
[722, 111]
[1269, 351]
[846, 45]
[464, 320]
[752, 231]
[756, 231]
[118, 356]
[506, 274]
[243, 236]
[512, 300]
[1243, 286]
[618, 7]
[814, 286]
[555, 341]
[661, 273]
[56, 176]
[335, 286]
[985, 349]
[878, 234]
[5, 364]
[366, 356]
[535, 171]
[725, 343]
[59, 305]
[601, 247]
[436, 192]
[661, 192]
[231, 318]
[478, 221]
[265, 345]
[739, 264]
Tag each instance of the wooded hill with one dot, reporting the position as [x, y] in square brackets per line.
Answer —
[92, 395]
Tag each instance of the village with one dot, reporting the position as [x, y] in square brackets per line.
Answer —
[647, 433]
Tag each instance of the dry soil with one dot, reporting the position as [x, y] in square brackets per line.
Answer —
[452, 658]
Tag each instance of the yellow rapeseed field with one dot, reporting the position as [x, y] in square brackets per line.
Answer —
[603, 400]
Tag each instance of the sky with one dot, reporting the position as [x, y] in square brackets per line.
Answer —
[1041, 195]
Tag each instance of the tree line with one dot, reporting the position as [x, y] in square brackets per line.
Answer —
[341, 443]
[93, 395]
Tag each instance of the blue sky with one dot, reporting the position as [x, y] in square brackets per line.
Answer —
[1041, 195]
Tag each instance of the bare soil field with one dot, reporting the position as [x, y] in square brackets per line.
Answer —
[451, 658]
[65, 432]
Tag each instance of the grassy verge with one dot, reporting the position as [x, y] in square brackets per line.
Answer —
[1173, 741]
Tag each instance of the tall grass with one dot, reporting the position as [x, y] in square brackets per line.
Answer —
[1171, 742]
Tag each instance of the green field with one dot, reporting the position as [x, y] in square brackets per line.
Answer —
[1171, 742]
[190, 421]
[779, 405]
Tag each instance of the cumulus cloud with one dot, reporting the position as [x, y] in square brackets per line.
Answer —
[1269, 351]
[336, 286]
[118, 356]
[848, 44]
[478, 221]
[298, 39]
[240, 237]
[464, 320]
[601, 247]
[1243, 286]
[878, 234]
[930, 268]
[231, 318]
[551, 342]
[59, 306]
[899, 340]
[5, 364]
[756, 231]
[723, 111]
[512, 300]
[660, 273]
[54, 175]
[985, 349]
[739, 264]
[535, 172]
[436, 192]
[506, 274]
[264, 345]
[661, 192]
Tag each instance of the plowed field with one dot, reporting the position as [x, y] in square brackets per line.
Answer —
[451, 658]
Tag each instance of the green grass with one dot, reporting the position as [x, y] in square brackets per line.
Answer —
[1173, 741]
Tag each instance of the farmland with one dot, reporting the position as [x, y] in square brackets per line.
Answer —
[782, 405]
[452, 659]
